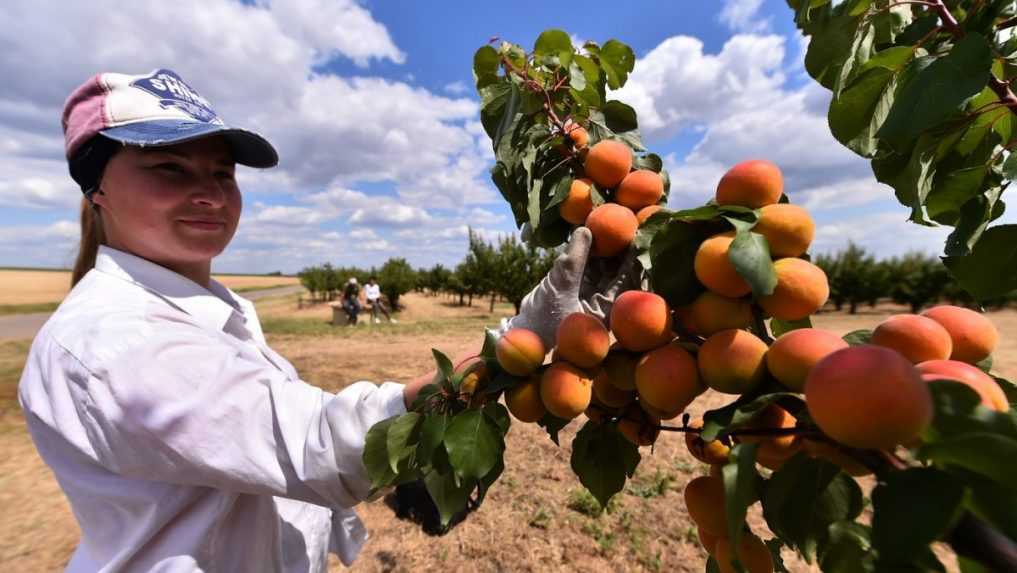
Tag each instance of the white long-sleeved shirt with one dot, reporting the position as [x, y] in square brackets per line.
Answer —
[182, 441]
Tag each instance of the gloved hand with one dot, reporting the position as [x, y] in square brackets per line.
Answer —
[576, 283]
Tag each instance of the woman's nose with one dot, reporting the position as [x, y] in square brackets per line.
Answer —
[209, 191]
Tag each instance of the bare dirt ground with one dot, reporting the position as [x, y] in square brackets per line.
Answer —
[535, 518]
[34, 287]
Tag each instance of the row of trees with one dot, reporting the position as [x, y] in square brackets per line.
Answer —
[506, 268]
[915, 279]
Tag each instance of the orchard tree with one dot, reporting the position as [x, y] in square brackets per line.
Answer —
[520, 268]
[918, 280]
[396, 278]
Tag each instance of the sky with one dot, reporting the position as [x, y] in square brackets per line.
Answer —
[372, 108]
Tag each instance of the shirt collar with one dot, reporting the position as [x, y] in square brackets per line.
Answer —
[212, 307]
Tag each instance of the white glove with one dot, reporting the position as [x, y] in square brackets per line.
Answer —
[576, 284]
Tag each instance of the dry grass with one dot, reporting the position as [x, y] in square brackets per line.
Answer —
[21, 287]
[536, 518]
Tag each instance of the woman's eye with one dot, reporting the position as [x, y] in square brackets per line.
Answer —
[225, 175]
[171, 167]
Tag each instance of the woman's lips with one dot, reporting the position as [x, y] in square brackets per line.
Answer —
[204, 225]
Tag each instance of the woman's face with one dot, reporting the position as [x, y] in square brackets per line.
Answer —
[177, 206]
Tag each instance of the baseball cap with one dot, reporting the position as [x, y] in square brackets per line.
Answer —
[153, 109]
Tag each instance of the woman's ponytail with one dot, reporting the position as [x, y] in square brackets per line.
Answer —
[91, 237]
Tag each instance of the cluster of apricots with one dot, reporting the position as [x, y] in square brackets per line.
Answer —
[635, 371]
[635, 194]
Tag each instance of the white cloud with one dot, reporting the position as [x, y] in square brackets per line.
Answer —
[457, 88]
[743, 16]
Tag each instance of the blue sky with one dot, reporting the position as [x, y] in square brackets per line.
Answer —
[372, 108]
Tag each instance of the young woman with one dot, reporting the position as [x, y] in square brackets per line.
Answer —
[181, 439]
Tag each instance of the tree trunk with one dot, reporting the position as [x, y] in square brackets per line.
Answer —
[493, 296]
[471, 299]
[461, 303]
[854, 308]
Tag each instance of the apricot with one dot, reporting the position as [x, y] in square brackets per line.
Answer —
[704, 499]
[520, 352]
[608, 394]
[711, 313]
[683, 314]
[639, 189]
[988, 390]
[732, 361]
[788, 229]
[667, 379]
[834, 455]
[794, 353]
[608, 163]
[660, 413]
[578, 134]
[640, 320]
[801, 290]
[754, 184]
[599, 412]
[713, 452]
[576, 207]
[709, 542]
[752, 553]
[771, 417]
[565, 390]
[916, 337]
[973, 335]
[714, 269]
[868, 397]
[523, 400]
[620, 368]
[583, 340]
[647, 212]
[613, 228]
[773, 457]
[638, 426]
[474, 372]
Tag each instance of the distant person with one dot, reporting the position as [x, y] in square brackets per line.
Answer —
[373, 293]
[351, 300]
[181, 439]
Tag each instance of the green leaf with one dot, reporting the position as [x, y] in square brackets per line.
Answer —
[779, 327]
[499, 415]
[858, 337]
[939, 90]
[750, 255]
[904, 521]
[444, 364]
[577, 79]
[847, 549]
[990, 270]
[493, 97]
[552, 425]
[449, 496]
[829, 47]
[619, 117]
[856, 115]
[600, 130]
[603, 459]
[485, 66]
[740, 479]
[958, 412]
[432, 432]
[507, 117]
[402, 440]
[740, 412]
[980, 453]
[617, 60]
[993, 502]
[650, 161]
[551, 42]
[858, 54]
[672, 254]
[804, 497]
[974, 217]
[474, 444]
[375, 455]
[951, 190]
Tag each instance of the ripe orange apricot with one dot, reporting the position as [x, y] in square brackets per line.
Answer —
[801, 290]
[771, 417]
[752, 554]
[788, 229]
[704, 499]
[583, 340]
[640, 320]
[772, 457]
[988, 390]
[638, 426]
[620, 368]
[973, 335]
[794, 353]
[523, 400]
[667, 380]
[613, 228]
[711, 313]
[475, 373]
[834, 455]
[647, 212]
[608, 162]
[754, 184]
[916, 337]
[565, 390]
[520, 352]
[713, 452]
[732, 361]
[715, 270]
[576, 207]
[609, 394]
[868, 397]
[639, 189]
[579, 136]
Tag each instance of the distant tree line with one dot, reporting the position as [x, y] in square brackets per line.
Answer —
[505, 268]
[915, 279]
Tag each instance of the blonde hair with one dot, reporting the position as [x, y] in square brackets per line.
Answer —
[92, 236]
